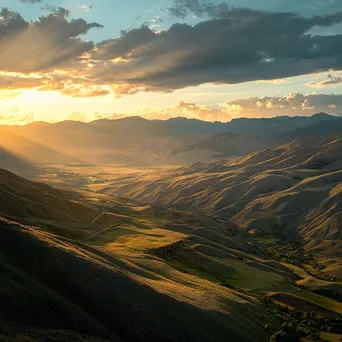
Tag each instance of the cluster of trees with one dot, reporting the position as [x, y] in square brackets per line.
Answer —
[295, 325]
[290, 252]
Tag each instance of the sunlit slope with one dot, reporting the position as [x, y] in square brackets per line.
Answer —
[57, 284]
[294, 189]
[175, 244]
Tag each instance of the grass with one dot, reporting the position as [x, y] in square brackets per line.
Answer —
[325, 302]
[138, 231]
[142, 241]
[78, 288]
[265, 241]
[191, 269]
[109, 236]
[248, 278]
[331, 337]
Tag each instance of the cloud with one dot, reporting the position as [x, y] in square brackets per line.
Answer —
[188, 110]
[86, 7]
[291, 104]
[31, 1]
[77, 116]
[8, 95]
[230, 46]
[84, 90]
[57, 11]
[181, 109]
[201, 8]
[241, 46]
[41, 45]
[182, 8]
[12, 81]
[331, 81]
[15, 118]
[26, 119]
[257, 107]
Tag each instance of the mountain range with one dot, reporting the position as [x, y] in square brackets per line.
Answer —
[137, 142]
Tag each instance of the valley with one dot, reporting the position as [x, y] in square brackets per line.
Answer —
[171, 171]
[250, 244]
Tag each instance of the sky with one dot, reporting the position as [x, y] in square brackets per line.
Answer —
[86, 60]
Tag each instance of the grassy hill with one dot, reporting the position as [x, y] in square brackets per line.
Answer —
[141, 272]
[292, 191]
[62, 211]
[60, 286]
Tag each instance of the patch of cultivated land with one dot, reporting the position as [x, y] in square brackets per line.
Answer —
[307, 302]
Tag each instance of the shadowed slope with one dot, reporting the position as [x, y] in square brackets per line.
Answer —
[16, 164]
[325, 127]
[34, 203]
[59, 285]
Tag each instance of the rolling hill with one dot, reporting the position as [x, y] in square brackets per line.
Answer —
[38, 204]
[87, 266]
[59, 288]
[292, 190]
[274, 127]
[53, 288]
[16, 164]
[320, 128]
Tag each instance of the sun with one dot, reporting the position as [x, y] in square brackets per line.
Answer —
[29, 96]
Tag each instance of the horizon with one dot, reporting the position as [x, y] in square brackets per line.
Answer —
[174, 118]
[159, 60]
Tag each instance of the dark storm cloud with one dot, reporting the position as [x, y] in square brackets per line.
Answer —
[200, 8]
[242, 45]
[234, 45]
[42, 44]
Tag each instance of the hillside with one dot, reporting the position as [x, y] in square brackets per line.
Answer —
[278, 126]
[293, 189]
[34, 203]
[320, 128]
[16, 164]
[158, 273]
[51, 281]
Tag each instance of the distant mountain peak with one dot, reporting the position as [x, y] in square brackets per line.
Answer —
[323, 115]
